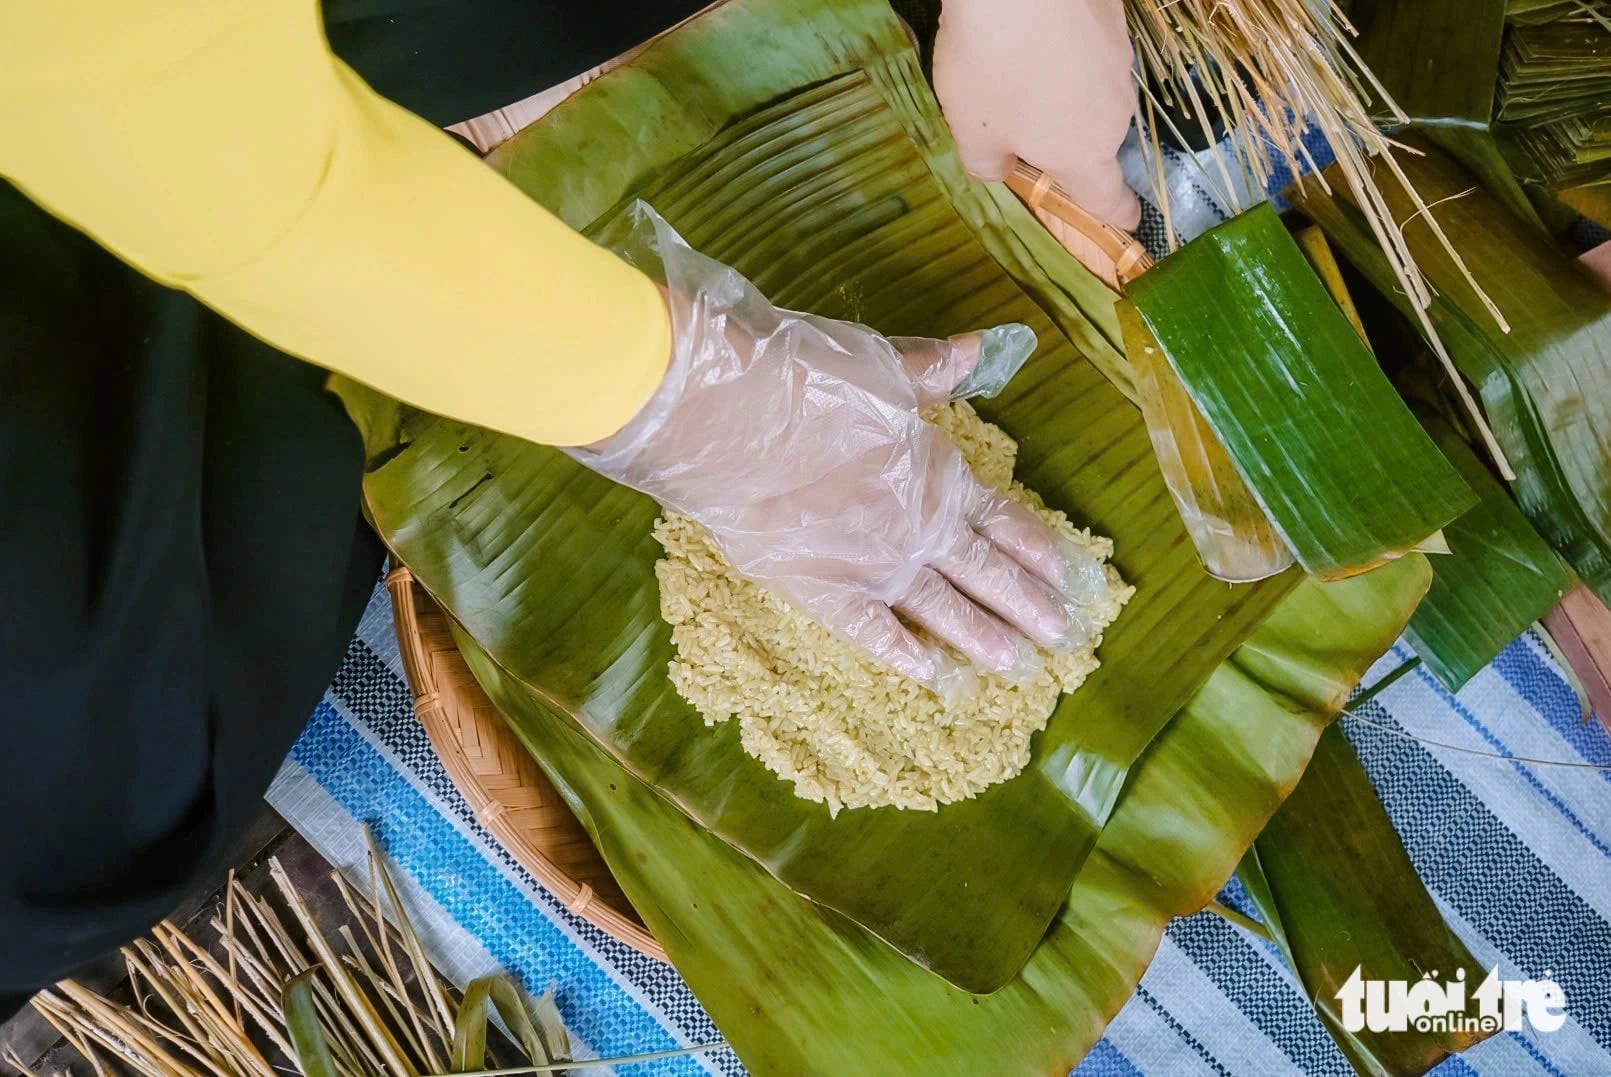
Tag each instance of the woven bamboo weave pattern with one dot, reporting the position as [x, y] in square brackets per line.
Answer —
[505, 788]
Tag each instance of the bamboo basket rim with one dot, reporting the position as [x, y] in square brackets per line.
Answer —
[432, 703]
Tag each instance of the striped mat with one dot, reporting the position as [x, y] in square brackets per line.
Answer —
[1517, 856]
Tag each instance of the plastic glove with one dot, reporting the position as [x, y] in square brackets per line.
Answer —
[796, 441]
[1046, 80]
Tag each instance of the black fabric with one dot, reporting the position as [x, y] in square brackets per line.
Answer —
[182, 557]
[923, 17]
[182, 560]
[451, 60]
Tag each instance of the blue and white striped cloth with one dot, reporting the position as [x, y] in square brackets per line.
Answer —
[1518, 858]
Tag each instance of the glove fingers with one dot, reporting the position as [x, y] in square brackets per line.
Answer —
[1027, 603]
[967, 365]
[1003, 351]
[936, 367]
[1075, 573]
[948, 615]
[874, 628]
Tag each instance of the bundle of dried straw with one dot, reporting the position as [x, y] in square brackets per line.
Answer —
[1277, 70]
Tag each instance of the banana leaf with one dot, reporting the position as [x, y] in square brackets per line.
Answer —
[1555, 86]
[1545, 385]
[797, 989]
[1313, 426]
[798, 142]
[1501, 576]
[1331, 880]
[1439, 62]
[1233, 536]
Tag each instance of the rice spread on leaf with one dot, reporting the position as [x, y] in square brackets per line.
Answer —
[847, 731]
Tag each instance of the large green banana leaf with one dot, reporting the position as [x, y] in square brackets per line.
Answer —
[1499, 578]
[799, 990]
[1313, 426]
[1233, 535]
[1330, 878]
[799, 142]
[1545, 385]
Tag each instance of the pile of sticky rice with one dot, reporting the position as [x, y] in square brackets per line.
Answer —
[846, 730]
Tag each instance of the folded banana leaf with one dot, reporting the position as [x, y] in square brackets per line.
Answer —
[1233, 536]
[826, 174]
[1332, 882]
[796, 989]
[1500, 577]
[1314, 428]
[1439, 61]
[1545, 385]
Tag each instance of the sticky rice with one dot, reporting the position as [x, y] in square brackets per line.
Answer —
[817, 712]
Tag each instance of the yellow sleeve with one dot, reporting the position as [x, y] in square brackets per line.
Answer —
[220, 147]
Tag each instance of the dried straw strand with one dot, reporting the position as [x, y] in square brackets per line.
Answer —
[424, 973]
[194, 1010]
[380, 941]
[1277, 69]
[354, 1001]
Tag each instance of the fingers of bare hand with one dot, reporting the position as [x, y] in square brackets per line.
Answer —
[1098, 187]
[951, 617]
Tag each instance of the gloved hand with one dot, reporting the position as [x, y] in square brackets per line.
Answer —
[1046, 80]
[796, 441]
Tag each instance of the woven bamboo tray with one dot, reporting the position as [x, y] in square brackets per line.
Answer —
[505, 788]
[509, 793]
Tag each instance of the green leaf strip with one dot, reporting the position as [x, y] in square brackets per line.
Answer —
[1500, 577]
[1315, 429]
[1330, 877]
[313, 1055]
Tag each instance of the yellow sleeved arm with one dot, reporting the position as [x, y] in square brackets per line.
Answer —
[220, 147]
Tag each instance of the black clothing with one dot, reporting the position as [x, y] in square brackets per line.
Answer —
[182, 557]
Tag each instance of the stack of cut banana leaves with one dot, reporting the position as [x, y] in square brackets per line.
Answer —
[1519, 91]
[798, 141]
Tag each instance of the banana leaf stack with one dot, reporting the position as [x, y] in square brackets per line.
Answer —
[798, 141]
[1555, 91]
[1438, 60]
[1542, 366]
[1544, 383]
[1519, 92]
